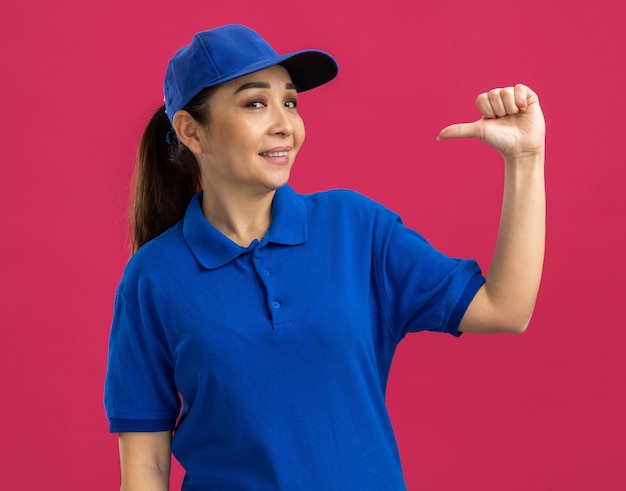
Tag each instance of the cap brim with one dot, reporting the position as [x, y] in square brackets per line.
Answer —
[310, 68]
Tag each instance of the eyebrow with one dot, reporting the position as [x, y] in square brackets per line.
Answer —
[262, 85]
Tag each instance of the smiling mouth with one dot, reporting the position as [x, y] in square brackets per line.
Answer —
[274, 154]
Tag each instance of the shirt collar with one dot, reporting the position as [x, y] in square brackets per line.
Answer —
[213, 249]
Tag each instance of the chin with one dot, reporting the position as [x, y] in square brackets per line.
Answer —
[276, 182]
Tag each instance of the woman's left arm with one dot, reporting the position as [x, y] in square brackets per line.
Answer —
[512, 122]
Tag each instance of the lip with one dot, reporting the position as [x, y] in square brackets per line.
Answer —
[270, 155]
[277, 149]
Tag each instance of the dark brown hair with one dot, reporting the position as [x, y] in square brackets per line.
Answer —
[166, 175]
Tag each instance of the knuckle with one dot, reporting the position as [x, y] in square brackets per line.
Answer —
[494, 94]
[481, 98]
[508, 91]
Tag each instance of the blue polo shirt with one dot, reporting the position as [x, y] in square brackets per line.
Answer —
[270, 362]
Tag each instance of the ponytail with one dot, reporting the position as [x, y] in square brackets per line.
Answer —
[167, 175]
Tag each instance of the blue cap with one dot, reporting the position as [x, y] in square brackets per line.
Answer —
[228, 52]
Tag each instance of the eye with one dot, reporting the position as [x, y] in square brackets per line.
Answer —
[291, 104]
[255, 104]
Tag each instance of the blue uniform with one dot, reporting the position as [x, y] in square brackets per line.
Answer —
[270, 362]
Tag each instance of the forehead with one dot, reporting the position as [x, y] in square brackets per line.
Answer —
[276, 75]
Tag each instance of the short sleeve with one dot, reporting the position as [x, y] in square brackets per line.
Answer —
[140, 392]
[424, 288]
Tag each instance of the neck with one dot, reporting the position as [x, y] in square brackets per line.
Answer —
[240, 218]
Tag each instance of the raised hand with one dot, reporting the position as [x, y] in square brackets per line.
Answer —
[512, 122]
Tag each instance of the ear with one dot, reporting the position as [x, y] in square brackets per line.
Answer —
[187, 130]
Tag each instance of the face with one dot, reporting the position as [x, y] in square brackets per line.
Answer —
[254, 134]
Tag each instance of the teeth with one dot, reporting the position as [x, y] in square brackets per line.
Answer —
[274, 154]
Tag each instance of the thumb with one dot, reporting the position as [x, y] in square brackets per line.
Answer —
[460, 130]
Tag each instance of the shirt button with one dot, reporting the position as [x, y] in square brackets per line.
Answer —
[266, 272]
[276, 305]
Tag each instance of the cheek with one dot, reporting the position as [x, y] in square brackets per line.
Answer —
[299, 132]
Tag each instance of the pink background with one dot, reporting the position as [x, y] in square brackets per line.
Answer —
[544, 411]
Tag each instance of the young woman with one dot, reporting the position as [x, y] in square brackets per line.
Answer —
[256, 325]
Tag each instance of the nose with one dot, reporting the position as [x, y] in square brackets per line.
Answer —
[282, 121]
